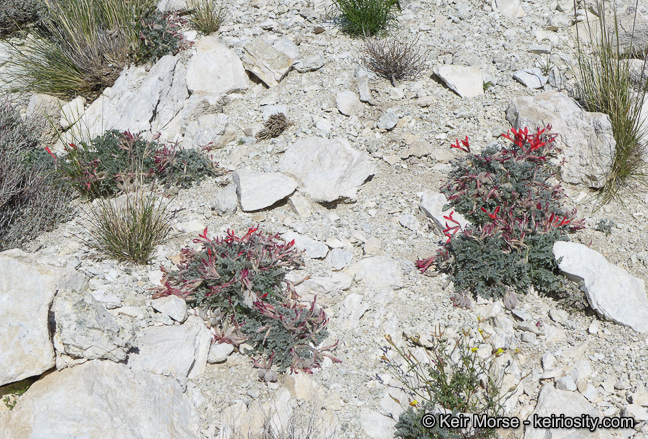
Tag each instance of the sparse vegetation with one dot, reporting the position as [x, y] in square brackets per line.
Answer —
[130, 227]
[31, 200]
[605, 84]
[393, 58]
[159, 35]
[454, 381]
[206, 16]
[366, 17]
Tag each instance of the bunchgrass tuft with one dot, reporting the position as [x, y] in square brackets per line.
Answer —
[607, 84]
[80, 48]
[366, 17]
[130, 227]
[206, 16]
[394, 58]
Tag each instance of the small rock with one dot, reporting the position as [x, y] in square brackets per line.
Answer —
[409, 221]
[635, 411]
[339, 258]
[549, 361]
[387, 121]
[532, 78]
[566, 383]
[173, 306]
[348, 103]
[559, 316]
[467, 82]
[219, 352]
[593, 327]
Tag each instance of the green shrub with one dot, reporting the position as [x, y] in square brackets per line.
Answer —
[207, 16]
[242, 281]
[366, 17]
[113, 161]
[130, 229]
[464, 385]
[516, 216]
[605, 85]
[31, 200]
[159, 35]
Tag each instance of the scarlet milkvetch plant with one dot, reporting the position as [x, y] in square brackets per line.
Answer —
[515, 216]
[242, 279]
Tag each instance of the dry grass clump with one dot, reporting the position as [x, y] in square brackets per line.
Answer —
[80, 48]
[129, 228]
[609, 84]
[274, 126]
[206, 16]
[394, 58]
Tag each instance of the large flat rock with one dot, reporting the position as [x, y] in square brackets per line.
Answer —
[552, 401]
[215, 69]
[179, 351]
[258, 190]
[328, 169]
[27, 289]
[611, 291]
[102, 400]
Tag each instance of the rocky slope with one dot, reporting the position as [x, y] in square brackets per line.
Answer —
[346, 181]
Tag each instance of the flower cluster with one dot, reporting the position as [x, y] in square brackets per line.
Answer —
[241, 279]
[513, 211]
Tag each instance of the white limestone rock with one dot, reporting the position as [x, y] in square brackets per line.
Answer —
[327, 169]
[265, 62]
[313, 248]
[561, 402]
[27, 289]
[102, 400]
[172, 306]
[378, 272]
[84, 329]
[215, 69]
[179, 351]
[432, 205]
[258, 190]
[467, 82]
[348, 103]
[611, 291]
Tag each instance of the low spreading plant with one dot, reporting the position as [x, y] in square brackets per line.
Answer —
[606, 83]
[515, 217]
[31, 200]
[243, 280]
[366, 17]
[116, 160]
[159, 35]
[454, 381]
[129, 229]
[207, 16]
[393, 58]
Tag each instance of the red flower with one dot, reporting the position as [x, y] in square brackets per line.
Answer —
[49, 151]
[492, 215]
[465, 146]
